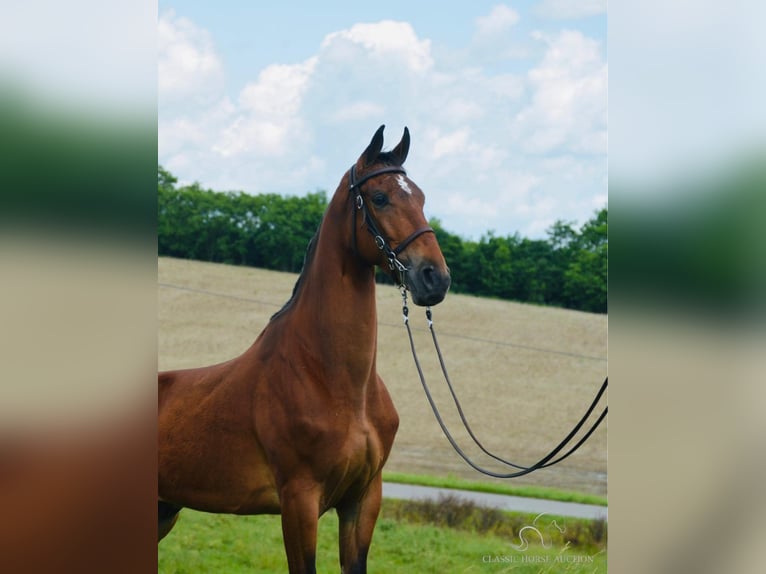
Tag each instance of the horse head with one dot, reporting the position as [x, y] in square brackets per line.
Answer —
[400, 240]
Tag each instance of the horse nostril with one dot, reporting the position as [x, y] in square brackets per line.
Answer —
[429, 285]
[428, 276]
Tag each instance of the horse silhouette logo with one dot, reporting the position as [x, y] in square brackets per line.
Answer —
[531, 531]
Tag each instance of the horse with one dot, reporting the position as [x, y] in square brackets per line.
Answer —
[301, 422]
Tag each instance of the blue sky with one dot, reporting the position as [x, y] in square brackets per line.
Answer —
[506, 102]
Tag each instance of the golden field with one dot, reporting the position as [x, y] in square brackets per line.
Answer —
[524, 373]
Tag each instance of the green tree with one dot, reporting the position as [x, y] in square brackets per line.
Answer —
[165, 179]
[568, 268]
[533, 271]
[586, 277]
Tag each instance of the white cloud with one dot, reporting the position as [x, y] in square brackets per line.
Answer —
[184, 137]
[494, 39]
[278, 91]
[252, 135]
[507, 87]
[569, 101]
[599, 201]
[508, 196]
[188, 67]
[450, 144]
[269, 117]
[462, 110]
[387, 41]
[359, 111]
[571, 9]
[500, 19]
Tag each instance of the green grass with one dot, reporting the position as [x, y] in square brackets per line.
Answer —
[475, 486]
[405, 542]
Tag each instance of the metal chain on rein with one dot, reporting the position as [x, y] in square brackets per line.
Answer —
[522, 470]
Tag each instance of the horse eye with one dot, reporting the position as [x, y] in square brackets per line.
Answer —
[380, 199]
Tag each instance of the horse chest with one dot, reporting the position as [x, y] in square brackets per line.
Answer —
[352, 467]
[370, 436]
[365, 449]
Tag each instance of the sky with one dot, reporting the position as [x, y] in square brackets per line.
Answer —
[506, 103]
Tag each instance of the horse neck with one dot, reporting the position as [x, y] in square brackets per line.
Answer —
[335, 310]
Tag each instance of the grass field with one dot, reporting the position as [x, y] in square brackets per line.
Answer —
[451, 482]
[407, 540]
[524, 373]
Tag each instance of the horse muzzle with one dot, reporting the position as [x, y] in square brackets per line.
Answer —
[428, 284]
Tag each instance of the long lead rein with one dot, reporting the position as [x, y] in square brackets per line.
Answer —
[523, 470]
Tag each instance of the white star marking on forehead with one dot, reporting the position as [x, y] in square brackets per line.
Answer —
[403, 184]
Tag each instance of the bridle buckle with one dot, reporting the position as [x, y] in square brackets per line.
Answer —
[397, 265]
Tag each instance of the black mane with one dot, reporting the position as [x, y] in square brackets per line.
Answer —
[387, 158]
[307, 259]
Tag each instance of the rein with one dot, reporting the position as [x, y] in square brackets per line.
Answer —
[392, 254]
[522, 470]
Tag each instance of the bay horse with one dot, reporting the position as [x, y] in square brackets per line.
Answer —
[301, 422]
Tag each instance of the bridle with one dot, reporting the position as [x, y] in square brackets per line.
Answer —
[392, 254]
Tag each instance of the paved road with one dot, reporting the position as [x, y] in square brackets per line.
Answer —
[500, 501]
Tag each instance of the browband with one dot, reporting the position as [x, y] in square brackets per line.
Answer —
[358, 183]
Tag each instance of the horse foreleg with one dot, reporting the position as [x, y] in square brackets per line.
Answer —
[300, 515]
[356, 523]
[167, 514]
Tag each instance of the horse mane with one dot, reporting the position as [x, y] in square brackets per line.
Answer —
[386, 158]
[307, 259]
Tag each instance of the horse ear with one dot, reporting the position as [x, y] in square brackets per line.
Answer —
[402, 148]
[373, 150]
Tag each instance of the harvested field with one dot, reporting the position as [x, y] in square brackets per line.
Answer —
[524, 373]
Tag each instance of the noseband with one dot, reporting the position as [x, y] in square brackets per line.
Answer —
[392, 254]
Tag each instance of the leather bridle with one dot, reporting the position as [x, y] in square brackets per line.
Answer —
[392, 254]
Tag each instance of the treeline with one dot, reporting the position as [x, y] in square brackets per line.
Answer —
[568, 269]
[265, 230]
